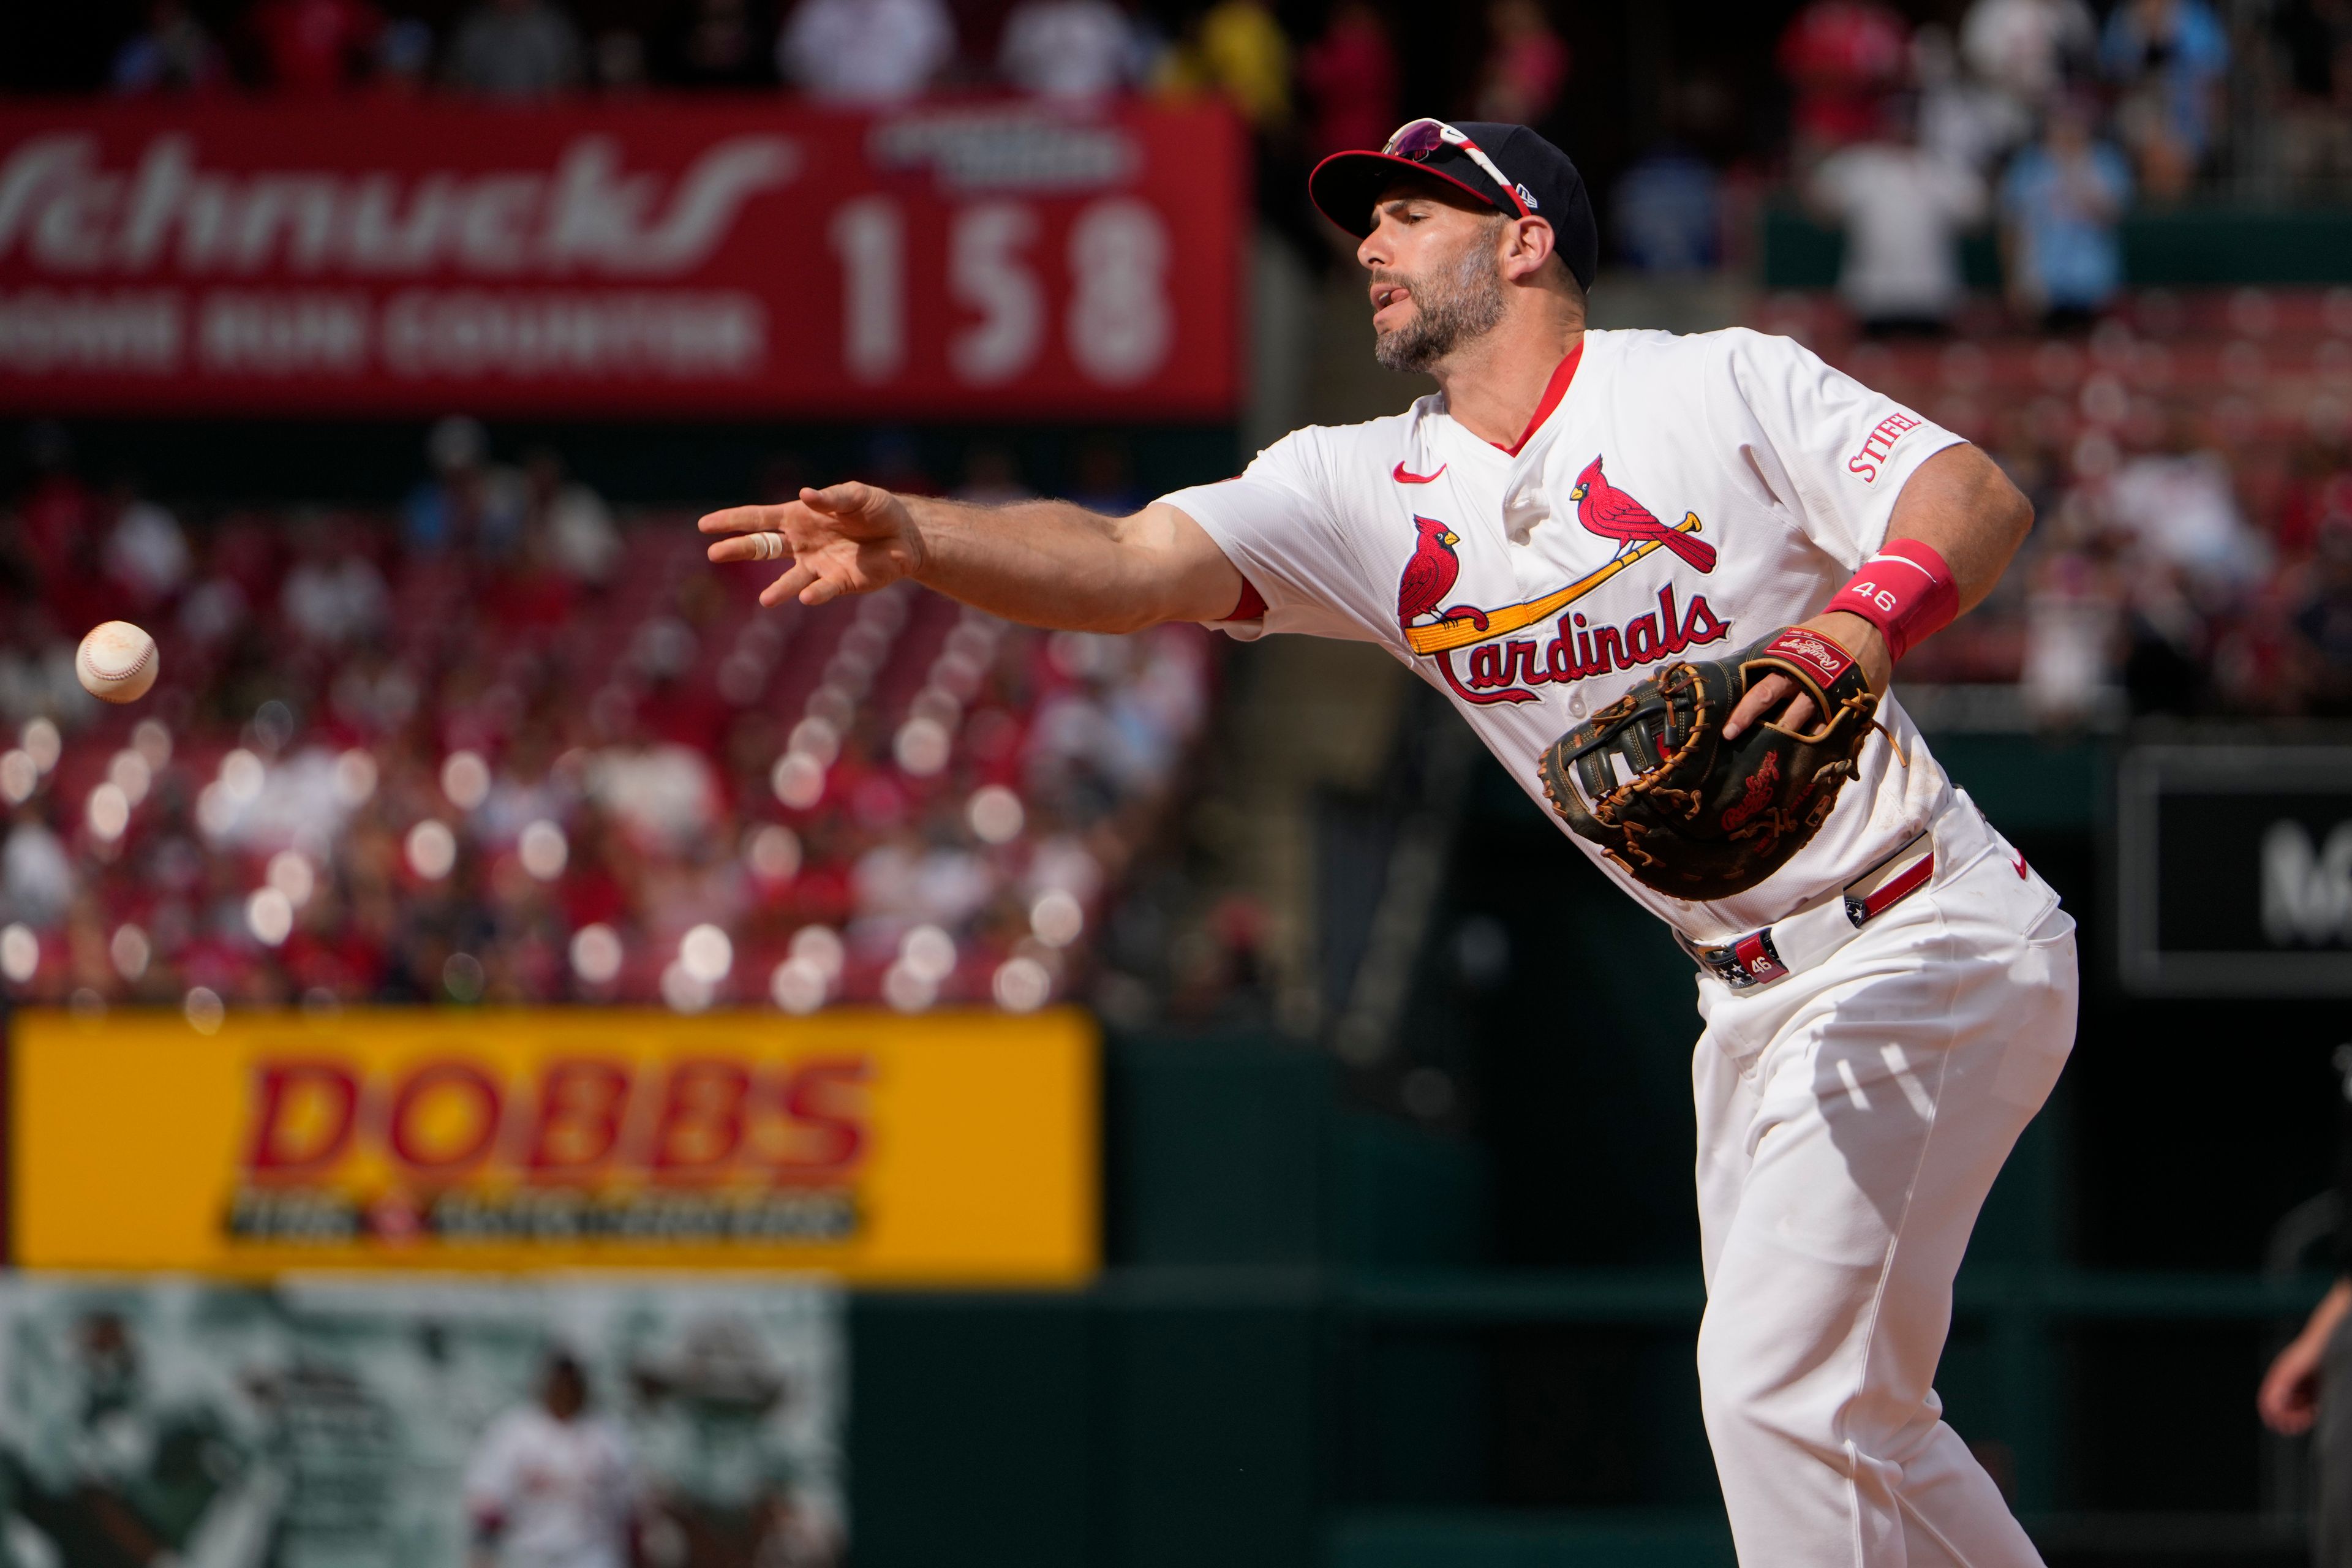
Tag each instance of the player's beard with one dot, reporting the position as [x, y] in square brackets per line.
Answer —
[1457, 305]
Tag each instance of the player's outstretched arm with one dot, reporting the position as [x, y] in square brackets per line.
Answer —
[1959, 503]
[1044, 562]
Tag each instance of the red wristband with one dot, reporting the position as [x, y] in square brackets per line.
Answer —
[1905, 591]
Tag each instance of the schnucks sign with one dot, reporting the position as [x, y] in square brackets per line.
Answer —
[690, 256]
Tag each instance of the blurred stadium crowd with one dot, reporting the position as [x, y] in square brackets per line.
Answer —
[2256, 89]
[505, 747]
[865, 52]
[2189, 454]
[2190, 463]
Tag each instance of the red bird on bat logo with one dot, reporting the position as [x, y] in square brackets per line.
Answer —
[1606, 510]
[1428, 577]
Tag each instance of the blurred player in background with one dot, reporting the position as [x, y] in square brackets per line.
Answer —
[723, 1490]
[103, 1468]
[2308, 1388]
[552, 1485]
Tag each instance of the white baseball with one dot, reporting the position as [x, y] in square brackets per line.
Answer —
[118, 662]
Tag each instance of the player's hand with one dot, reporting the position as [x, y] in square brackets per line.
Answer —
[2289, 1400]
[1852, 633]
[849, 538]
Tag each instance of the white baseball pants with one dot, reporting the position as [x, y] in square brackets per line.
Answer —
[1851, 1120]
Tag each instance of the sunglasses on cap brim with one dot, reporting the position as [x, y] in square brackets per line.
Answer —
[1417, 141]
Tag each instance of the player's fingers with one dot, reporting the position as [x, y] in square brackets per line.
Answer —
[843, 500]
[762, 546]
[738, 519]
[1799, 716]
[787, 586]
[1761, 699]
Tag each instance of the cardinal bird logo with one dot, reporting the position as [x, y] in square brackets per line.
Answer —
[1606, 510]
[1428, 577]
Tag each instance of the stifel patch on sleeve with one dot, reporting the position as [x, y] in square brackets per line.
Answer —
[1869, 459]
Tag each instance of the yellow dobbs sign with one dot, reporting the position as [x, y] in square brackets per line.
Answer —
[952, 1148]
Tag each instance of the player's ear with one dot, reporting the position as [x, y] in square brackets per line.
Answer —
[1529, 246]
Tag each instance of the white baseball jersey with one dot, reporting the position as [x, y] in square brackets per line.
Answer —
[1685, 494]
[561, 1491]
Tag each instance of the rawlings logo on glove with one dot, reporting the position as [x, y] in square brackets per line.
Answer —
[1824, 657]
[1651, 780]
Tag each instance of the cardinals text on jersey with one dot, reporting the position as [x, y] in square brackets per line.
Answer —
[1502, 668]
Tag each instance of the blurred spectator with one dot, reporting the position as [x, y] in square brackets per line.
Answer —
[1236, 49]
[619, 61]
[865, 51]
[1667, 215]
[1842, 58]
[581, 540]
[2073, 629]
[2060, 203]
[1903, 211]
[173, 53]
[334, 594]
[1350, 78]
[146, 553]
[1070, 49]
[894, 460]
[1102, 479]
[720, 44]
[551, 1485]
[467, 501]
[2322, 618]
[781, 476]
[404, 58]
[2027, 49]
[2165, 57]
[516, 49]
[59, 532]
[56, 506]
[2175, 503]
[37, 879]
[2316, 36]
[990, 476]
[1961, 120]
[315, 47]
[2323, 497]
[1526, 67]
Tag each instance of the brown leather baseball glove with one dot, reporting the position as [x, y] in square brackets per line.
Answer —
[1652, 781]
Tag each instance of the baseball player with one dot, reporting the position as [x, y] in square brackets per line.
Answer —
[1574, 519]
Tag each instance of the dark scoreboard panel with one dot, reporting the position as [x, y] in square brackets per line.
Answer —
[2235, 870]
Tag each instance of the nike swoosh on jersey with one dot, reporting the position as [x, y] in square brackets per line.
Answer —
[1405, 476]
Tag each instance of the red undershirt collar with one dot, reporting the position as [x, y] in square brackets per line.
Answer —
[1554, 390]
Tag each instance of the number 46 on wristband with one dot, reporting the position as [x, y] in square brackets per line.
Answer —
[1905, 591]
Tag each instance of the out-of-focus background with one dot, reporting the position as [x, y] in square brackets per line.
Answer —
[940, 1091]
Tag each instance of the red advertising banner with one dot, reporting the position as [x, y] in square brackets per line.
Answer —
[696, 256]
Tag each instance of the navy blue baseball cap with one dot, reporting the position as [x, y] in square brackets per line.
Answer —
[1507, 167]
